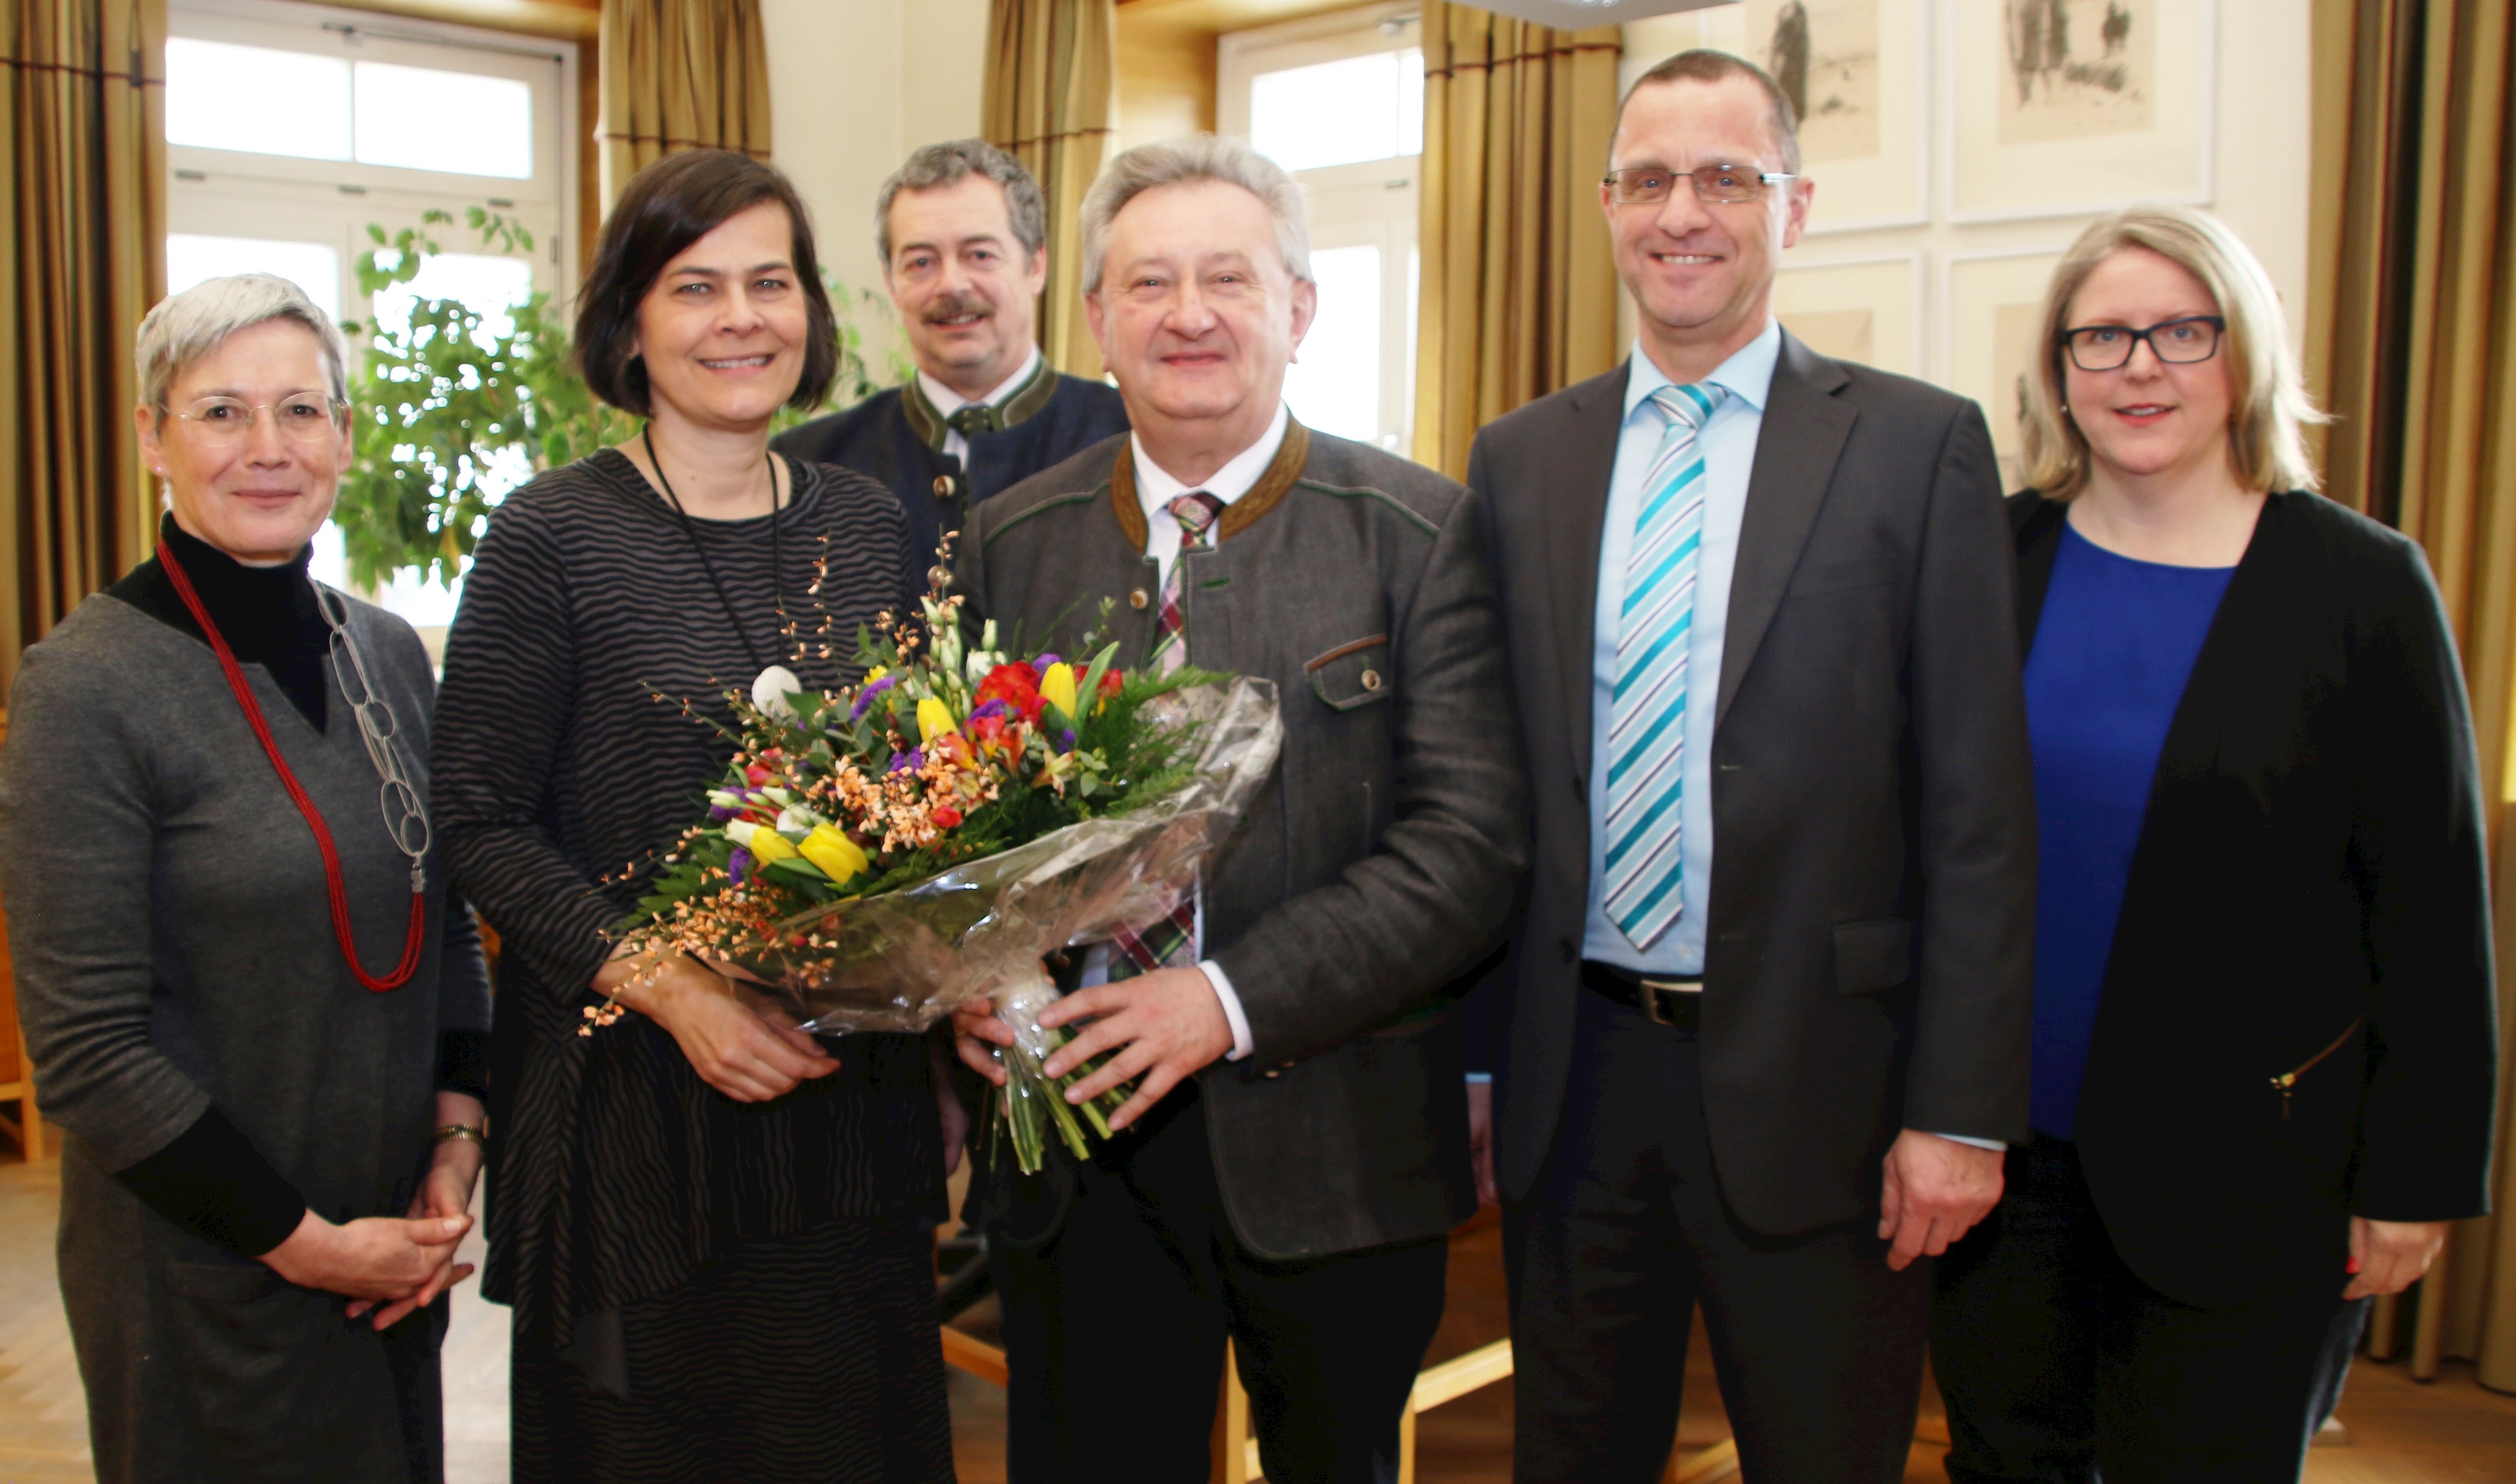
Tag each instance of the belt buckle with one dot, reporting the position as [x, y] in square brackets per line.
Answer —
[1652, 991]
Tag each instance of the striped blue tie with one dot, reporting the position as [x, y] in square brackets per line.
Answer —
[1647, 722]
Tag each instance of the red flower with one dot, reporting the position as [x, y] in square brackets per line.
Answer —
[758, 774]
[945, 816]
[1110, 681]
[1017, 685]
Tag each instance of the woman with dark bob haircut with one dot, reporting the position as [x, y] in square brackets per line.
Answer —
[714, 1229]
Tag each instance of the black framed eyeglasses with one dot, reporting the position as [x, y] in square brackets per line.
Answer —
[1726, 185]
[2176, 342]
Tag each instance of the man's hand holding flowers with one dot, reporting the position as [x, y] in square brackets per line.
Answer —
[1161, 1026]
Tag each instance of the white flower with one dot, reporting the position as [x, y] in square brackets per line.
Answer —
[769, 692]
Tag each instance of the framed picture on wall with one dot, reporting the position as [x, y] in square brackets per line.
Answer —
[1992, 301]
[1855, 71]
[2062, 107]
[1865, 310]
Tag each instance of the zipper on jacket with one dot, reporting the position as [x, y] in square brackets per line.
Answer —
[2287, 1081]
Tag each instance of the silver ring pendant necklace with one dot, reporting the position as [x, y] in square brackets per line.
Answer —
[770, 681]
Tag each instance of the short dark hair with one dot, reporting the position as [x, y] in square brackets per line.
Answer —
[666, 208]
[950, 164]
[1705, 64]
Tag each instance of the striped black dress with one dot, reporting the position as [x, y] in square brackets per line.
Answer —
[703, 1290]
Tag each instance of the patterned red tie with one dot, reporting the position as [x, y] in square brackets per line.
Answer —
[1171, 941]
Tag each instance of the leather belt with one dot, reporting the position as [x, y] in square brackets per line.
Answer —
[1674, 1002]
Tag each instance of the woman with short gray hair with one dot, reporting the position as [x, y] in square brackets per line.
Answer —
[259, 1014]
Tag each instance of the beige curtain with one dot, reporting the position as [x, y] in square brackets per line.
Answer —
[83, 227]
[679, 74]
[1518, 291]
[1052, 87]
[2411, 341]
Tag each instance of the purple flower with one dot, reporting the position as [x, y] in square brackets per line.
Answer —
[738, 865]
[1069, 743]
[988, 708]
[865, 698]
[719, 814]
[909, 761]
[1042, 663]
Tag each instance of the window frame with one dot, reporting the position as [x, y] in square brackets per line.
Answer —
[1363, 203]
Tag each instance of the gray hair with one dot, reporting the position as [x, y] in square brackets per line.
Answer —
[1196, 157]
[187, 326]
[953, 162]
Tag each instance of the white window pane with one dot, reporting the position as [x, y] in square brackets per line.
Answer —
[1334, 386]
[313, 267]
[256, 99]
[1410, 101]
[487, 285]
[423, 118]
[1329, 113]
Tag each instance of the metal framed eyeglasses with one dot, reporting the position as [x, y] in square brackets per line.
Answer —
[1726, 185]
[305, 419]
[2176, 342]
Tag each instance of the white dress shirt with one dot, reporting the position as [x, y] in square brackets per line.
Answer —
[947, 401]
[1155, 488]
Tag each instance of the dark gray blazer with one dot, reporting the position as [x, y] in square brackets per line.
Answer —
[1379, 862]
[1867, 966]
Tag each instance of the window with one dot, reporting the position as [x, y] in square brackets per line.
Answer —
[1339, 102]
[291, 128]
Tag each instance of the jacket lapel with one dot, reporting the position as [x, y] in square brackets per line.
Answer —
[1804, 428]
[1587, 461]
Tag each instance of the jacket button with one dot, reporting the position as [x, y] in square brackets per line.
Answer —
[1371, 680]
[1136, 600]
[942, 486]
[1564, 949]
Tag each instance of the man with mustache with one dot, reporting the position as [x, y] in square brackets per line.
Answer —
[964, 242]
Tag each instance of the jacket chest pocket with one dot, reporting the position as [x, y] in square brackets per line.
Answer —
[1352, 675]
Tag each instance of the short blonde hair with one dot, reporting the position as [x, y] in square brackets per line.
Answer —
[2269, 408]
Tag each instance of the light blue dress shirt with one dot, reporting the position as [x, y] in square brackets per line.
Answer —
[1729, 444]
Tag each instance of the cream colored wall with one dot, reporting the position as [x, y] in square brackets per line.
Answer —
[854, 85]
[2259, 169]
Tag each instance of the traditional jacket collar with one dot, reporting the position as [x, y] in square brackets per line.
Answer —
[1022, 404]
[1239, 516]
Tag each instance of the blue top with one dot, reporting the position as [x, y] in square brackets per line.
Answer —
[1729, 444]
[2113, 652]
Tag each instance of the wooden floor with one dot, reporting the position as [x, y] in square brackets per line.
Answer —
[2399, 1432]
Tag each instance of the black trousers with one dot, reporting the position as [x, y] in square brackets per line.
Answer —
[2060, 1365]
[1114, 1328]
[1817, 1345]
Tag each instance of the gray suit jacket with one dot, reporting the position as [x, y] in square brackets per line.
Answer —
[1378, 865]
[1868, 963]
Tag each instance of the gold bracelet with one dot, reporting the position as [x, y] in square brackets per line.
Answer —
[462, 1131]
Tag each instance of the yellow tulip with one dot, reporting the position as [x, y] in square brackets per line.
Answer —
[934, 719]
[1057, 686]
[768, 845]
[833, 852]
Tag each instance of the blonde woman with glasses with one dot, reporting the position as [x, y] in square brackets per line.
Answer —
[2264, 1055]
[260, 1013]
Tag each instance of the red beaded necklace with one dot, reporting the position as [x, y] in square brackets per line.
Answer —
[341, 929]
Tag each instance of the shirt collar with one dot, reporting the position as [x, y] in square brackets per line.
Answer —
[947, 401]
[1155, 487]
[1748, 373]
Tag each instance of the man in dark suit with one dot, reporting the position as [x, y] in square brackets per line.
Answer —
[1297, 1145]
[964, 253]
[1758, 597]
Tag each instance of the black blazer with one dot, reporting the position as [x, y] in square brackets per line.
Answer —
[1869, 965]
[2310, 873]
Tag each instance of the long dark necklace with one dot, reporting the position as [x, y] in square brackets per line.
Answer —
[691, 530]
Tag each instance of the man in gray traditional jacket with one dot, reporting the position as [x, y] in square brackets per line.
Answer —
[1296, 1149]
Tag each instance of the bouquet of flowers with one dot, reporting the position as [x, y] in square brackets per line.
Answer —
[880, 856]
